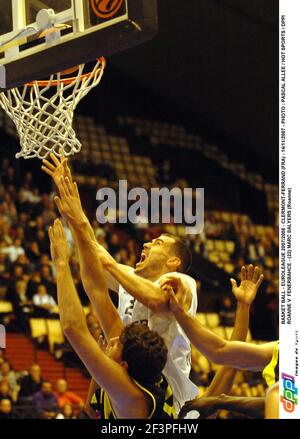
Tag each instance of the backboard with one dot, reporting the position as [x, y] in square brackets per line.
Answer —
[41, 37]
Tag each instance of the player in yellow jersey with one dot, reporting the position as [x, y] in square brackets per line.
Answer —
[129, 373]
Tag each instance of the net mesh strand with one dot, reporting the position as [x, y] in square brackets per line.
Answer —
[43, 114]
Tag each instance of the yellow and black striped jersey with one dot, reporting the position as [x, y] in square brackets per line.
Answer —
[160, 393]
[271, 371]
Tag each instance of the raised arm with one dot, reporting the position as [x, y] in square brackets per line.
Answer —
[245, 295]
[93, 386]
[107, 373]
[56, 170]
[234, 354]
[92, 272]
[145, 291]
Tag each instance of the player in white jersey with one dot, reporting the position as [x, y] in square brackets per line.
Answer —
[164, 255]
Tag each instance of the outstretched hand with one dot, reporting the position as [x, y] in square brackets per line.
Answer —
[250, 283]
[69, 203]
[57, 168]
[59, 248]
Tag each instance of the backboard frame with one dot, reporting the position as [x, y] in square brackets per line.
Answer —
[20, 65]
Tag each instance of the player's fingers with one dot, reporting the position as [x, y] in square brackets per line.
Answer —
[49, 165]
[66, 186]
[58, 226]
[55, 159]
[67, 169]
[69, 186]
[65, 165]
[172, 295]
[243, 273]
[76, 190]
[255, 274]
[250, 272]
[50, 233]
[62, 187]
[55, 230]
[259, 282]
[45, 169]
[61, 155]
[233, 284]
[168, 289]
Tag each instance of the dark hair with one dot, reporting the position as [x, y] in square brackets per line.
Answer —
[144, 351]
[183, 252]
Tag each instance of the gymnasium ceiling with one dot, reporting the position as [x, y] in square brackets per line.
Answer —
[218, 59]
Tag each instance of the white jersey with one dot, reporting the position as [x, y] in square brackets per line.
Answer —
[178, 364]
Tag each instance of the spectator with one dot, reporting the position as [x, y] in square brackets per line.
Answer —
[43, 301]
[33, 284]
[33, 252]
[64, 396]
[46, 402]
[31, 383]
[9, 375]
[14, 251]
[21, 304]
[19, 298]
[10, 208]
[4, 269]
[6, 409]
[18, 273]
[47, 280]
[5, 391]
[42, 238]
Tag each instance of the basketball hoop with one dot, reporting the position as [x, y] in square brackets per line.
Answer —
[43, 111]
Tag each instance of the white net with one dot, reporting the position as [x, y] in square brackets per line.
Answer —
[43, 112]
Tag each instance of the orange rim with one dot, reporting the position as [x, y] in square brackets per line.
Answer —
[67, 81]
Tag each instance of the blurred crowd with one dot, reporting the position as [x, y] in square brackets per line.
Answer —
[27, 280]
[26, 394]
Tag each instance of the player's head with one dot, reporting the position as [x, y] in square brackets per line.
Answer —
[165, 254]
[142, 351]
